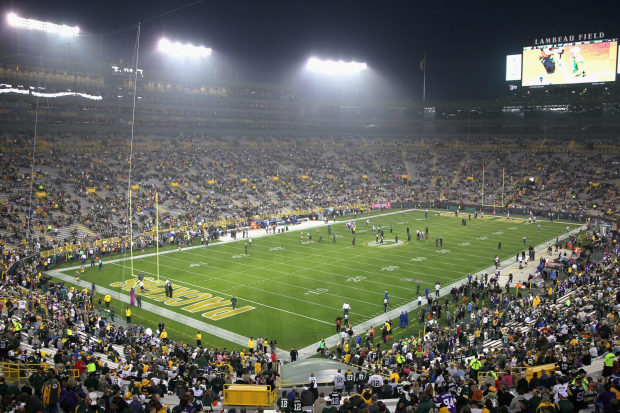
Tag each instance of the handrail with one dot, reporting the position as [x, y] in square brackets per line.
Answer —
[19, 372]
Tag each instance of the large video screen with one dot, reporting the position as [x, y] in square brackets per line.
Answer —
[513, 67]
[569, 63]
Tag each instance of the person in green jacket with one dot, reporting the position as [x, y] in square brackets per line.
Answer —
[426, 404]
[564, 405]
[36, 380]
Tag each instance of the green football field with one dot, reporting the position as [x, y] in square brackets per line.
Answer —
[292, 290]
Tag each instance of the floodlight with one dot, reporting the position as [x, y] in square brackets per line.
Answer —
[333, 67]
[177, 49]
[30, 24]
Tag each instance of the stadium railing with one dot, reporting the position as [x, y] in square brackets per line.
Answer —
[18, 373]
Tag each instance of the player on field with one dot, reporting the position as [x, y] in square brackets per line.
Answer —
[577, 62]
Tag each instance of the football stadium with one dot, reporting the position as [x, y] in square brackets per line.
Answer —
[192, 223]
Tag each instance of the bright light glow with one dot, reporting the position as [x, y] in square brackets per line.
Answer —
[30, 24]
[9, 89]
[177, 49]
[332, 67]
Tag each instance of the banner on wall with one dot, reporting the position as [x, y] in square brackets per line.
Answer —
[380, 205]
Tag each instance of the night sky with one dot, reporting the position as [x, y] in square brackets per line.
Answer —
[465, 42]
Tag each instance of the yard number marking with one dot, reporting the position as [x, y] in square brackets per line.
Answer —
[318, 291]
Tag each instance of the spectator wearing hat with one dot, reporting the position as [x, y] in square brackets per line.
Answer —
[564, 405]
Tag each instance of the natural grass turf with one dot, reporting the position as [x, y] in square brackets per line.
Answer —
[298, 288]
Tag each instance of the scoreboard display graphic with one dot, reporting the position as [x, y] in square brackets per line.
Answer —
[570, 63]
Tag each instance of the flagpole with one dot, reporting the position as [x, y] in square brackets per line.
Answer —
[483, 186]
[424, 82]
[130, 232]
[503, 176]
[133, 122]
[157, 232]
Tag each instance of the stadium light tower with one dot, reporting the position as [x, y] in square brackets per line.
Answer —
[177, 49]
[30, 24]
[333, 67]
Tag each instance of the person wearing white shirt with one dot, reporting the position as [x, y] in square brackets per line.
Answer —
[593, 351]
[339, 381]
[346, 308]
[559, 389]
[376, 382]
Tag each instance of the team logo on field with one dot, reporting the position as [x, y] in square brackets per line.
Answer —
[390, 268]
[418, 259]
[276, 249]
[444, 251]
[185, 299]
[464, 244]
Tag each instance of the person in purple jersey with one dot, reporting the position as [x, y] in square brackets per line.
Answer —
[446, 398]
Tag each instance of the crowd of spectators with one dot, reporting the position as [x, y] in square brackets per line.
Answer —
[234, 178]
[79, 189]
[478, 358]
[101, 362]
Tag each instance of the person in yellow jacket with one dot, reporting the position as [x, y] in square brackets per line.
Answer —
[251, 345]
[474, 365]
[128, 315]
[107, 299]
[198, 339]
[17, 326]
[608, 361]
